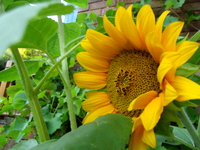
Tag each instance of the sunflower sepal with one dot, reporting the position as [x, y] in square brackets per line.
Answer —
[185, 103]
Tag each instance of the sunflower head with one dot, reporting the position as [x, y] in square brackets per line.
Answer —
[136, 64]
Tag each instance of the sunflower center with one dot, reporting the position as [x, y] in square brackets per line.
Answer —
[131, 74]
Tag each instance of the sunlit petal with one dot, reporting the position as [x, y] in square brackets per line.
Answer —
[90, 80]
[149, 138]
[186, 88]
[171, 34]
[95, 64]
[91, 116]
[95, 100]
[142, 101]
[152, 113]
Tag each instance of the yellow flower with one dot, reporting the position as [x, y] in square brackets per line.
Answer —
[137, 64]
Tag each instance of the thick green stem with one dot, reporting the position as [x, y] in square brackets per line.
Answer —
[186, 121]
[31, 95]
[65, 71]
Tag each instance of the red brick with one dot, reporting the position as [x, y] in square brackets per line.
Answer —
[100, 5]
[127, 1]
[93, 1]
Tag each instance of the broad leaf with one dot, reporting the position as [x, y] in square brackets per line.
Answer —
[80, 3]
[183, 135]
[187, 70]
[195, 59]
[54, 123]
[44, 146]
[25, 145]
[195, 37]
[10, 74]
[108, 2]
[38, 33]
[20, 17]
[108, 132]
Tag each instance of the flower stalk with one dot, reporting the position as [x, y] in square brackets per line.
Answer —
[31, 95]
[189, 126]
[65, 71]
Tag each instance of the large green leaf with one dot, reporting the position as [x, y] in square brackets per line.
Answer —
[80, 3]
[72, 30]
[25, 145]
[14, 22]
[44, 146]
[183, 135]
[37, 34]
[108, 132]
[195, 59]
[10, 74]
[113, 130]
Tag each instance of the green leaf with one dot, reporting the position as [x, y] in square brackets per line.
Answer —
[25, 145]
[143, 2]
[10, 74]
[3, 139]
[54, 123]
[174, 3]
[192, 114]
[183, 135]
[109, 132]
[108, 2]
[16, 4]
[53, 46]
[44, 146]
[169, 19]
[56, 9]
[187, 70]
[38, 33]
[195, 37]
[18, 17]
[20, 123]
[195, 59]
[81, 17]
[80, 3]
[72, 31]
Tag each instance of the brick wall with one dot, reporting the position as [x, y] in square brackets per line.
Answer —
[99, 7]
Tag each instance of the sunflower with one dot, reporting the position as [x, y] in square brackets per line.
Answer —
[136, 65]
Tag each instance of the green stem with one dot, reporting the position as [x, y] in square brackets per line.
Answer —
[1, 6]
[65, 72]
[198, 127]
[31, 95]
[54, 67]
[186, 121]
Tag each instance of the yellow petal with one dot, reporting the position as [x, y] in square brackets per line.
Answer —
[129, 10]
[186, 49]
[151, 114]
[159, 24]
[103, 43]
[114, 33]
[145, 21]
[142, 101]
[90, 80]
[154, 46]
[170, 93]
[170, 35]
[149, 138]
[136, 142]
[95, 100]
[186, 88]
[163, 68]
[119, 13]
[92, 63]
[91, 116]
[129, 29]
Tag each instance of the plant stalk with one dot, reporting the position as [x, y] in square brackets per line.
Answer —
[189, 126]
[31, 95]
[54, 67]
[65, 71]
